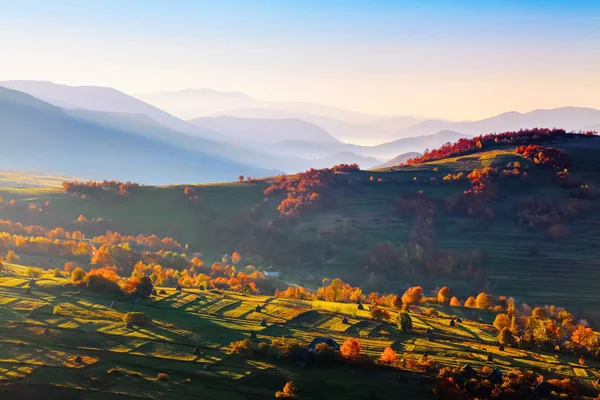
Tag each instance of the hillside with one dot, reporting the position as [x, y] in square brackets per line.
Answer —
[570, 118]
[502, 249]
[80, 147]
[264, 130]
[64, 340]
[399, 159]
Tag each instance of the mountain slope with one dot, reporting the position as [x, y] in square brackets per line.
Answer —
[264, 130]
[569, 118]
[414, 144]
[103, 99]
[399, 159]
[37, 135]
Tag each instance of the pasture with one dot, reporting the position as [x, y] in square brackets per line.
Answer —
[73, 344]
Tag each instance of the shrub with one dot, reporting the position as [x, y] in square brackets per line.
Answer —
[78, 274]
[137, 318]
[326, 353]
[33, 272]
[163, 377]
[379, 314]
[242, 348]
[432, 312]
[101, 284]
[57, 273]
[288, 392]
[144, 287]
[502, 321]
[285, 347]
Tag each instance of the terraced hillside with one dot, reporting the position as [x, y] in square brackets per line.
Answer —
[56, 341]
[530, 263]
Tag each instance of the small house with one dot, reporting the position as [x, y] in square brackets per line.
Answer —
[458, 320]
[258, 308]
[495, 377]
[452, 323]
[360, 306]
[263, 322]
[321, 339]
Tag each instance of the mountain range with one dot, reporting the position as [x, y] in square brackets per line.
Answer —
[102, 133]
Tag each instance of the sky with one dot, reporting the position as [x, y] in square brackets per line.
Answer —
[449, 59]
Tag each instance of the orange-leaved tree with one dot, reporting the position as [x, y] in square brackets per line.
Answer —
[388, 356]
[412, 295]
[350, 349]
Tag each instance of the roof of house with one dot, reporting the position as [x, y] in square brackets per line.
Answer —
[329, 341]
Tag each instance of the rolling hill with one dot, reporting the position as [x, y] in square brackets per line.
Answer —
[399, 159]
[535, 264]
[570, 118]
[103, 99]
[264, 130]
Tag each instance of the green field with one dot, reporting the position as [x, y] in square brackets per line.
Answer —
[87, 351]
[520, 261]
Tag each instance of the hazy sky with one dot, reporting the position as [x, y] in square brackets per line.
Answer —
[453, 59]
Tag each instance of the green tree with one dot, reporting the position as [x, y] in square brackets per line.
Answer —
[404, 322]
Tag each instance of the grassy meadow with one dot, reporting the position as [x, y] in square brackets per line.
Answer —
[55, 341]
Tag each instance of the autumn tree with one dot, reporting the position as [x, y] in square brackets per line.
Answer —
[11, 257]
[32, 272]
[102, 256]
[501, 321]
[144, 287]
[454, 302]
[404, 322]
[379, 314]
[78, 275]
[443, 295]
[483, 301]
[388, 356]
[505, 337]
[412, 295]
[584, 337]
[241, 178]
[289, 391]
[470, 302]
[236, 258]
[397, 302]
[539, 313]
[350, 350]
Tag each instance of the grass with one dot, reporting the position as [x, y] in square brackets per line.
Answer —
[87, 328]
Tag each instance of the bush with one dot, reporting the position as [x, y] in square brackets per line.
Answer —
[326, 353]
[432, 312]
[288, 392]
[404, 322]
[163, 377]
[137, 318]
[285, 347]
[33, 272]
[78, 274]
[100, 284]
[144, 287]
[57, 273]
[242, 348]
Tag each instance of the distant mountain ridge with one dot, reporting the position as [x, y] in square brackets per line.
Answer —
[37, 135]
[265, 130]
[399, 159]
